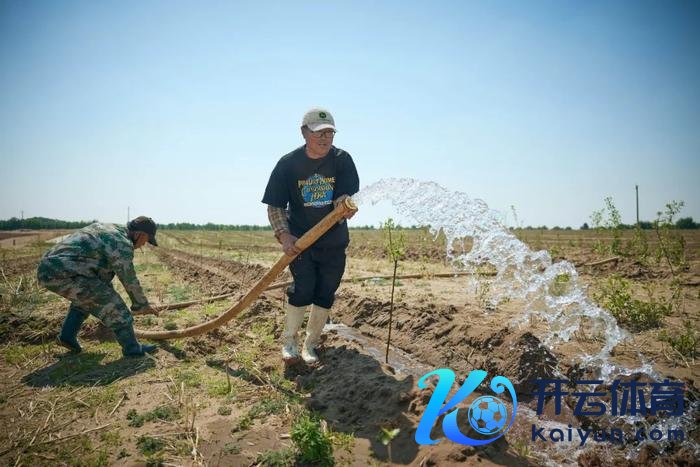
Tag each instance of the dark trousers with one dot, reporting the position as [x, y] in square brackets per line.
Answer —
[317, 273]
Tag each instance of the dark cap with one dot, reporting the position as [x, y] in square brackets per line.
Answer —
[144, 224]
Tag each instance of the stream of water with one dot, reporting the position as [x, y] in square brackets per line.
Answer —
[551, 292]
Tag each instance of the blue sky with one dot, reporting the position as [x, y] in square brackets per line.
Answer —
[181, 109]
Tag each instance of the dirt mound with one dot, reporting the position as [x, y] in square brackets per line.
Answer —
[355, 394]
[440, 335]
[526, 360]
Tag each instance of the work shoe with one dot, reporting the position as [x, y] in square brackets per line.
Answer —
[314, 328]
[130, 346]
[292, 322]
[68, 337]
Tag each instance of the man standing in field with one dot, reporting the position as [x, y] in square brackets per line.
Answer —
[305, 186]
[81, 267]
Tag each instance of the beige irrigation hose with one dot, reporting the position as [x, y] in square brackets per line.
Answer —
[302, 244]
[181, 305]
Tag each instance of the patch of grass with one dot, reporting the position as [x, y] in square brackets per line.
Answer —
[94, 459]
[102, 395]
[149, 445]
[21, 293]
[344, 441]
[616, 297]
[224, 410]
[267, 406]
[170, 325]
[243, 424]
[284, 457]
[179, 293]
[522, 448]
[19, 354]
[135, 419]
[163, 412]
[263, 329]
[284, 385]
[232, 448]
[210, 309]
[219, 388]
[685, 343]
[313, 442]
[192, 378]
[111, 438]
[147, 321]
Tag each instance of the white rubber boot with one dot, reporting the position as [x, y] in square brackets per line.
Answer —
[292, 322]
[314, 328]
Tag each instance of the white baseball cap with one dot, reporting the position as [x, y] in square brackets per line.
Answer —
[317, 119]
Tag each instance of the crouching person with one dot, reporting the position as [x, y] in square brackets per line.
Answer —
[81, 267]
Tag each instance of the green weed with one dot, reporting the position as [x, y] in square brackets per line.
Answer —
[135, 419]
[284, 457]
[267, 406]
[232, 448]
[671, 242]
[179, 293]
[163, 412]
[685, 343]
[191, 377]
[19, 354]
[22, 293]
[147, 321]
[638, 247]
[149, 445]
[313, 442]
[111, 438]
[219, 388]
[604, 220]
[560, 285]
[616, 297]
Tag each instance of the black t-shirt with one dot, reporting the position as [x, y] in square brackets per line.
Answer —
[309, 187]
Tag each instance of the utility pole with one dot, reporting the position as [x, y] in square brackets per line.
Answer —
[128, 216]
[636, 189]
[22, 215]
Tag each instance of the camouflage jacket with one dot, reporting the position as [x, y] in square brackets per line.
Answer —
[99, 250]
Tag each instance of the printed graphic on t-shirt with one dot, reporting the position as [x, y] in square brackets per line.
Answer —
[317, 190]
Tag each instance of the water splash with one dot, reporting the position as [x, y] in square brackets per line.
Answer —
[551, 291]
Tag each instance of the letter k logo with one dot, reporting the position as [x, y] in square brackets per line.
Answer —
[435, 406]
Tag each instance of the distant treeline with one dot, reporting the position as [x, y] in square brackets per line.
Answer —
[211, 226]
[39, 223]
[682, 223]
